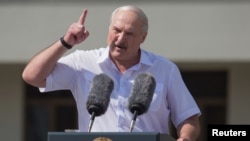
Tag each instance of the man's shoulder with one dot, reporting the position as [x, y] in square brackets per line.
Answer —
[157, 57]
[89, 52]
[95, 50]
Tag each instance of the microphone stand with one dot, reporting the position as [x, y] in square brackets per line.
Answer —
[91, 121]
[133, 121]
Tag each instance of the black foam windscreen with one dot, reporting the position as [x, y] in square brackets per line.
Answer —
[99, 95]
[142, 93]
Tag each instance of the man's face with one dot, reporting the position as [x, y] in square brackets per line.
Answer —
[125, 36]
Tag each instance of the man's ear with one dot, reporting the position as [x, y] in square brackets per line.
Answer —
[144, 37]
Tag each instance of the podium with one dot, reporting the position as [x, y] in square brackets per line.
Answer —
[108, 136]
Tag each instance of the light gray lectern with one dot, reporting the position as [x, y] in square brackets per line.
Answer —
[108, 136]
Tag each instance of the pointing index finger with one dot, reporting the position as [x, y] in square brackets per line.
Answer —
[82, 17]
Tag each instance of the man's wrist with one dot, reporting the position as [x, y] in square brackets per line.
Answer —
[65, 44]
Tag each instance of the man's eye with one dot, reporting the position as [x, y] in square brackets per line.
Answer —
[116, 30]
[131, 34]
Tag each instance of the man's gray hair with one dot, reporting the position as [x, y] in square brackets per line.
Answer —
[138, 11]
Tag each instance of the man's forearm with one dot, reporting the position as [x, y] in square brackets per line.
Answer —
[41, 65]
[189, 130]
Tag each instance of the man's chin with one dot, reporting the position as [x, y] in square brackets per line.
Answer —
[116, 55]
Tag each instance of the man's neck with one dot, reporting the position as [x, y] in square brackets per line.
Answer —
[123, 65]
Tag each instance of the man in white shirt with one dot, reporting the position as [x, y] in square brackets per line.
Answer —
[122, 59]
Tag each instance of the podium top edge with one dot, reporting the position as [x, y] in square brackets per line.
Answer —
[105, 133]
[67, 136]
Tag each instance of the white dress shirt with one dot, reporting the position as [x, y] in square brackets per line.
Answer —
[171, 99]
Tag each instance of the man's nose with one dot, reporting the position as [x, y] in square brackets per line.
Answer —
[121, 37]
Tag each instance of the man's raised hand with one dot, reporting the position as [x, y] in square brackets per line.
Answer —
[77, 32]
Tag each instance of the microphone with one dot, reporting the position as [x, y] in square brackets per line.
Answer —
[99, 96]
[141, 95]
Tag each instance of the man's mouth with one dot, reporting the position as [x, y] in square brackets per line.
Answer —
[121, 46]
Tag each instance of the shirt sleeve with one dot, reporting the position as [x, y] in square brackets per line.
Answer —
[182, 104]
[63, 75]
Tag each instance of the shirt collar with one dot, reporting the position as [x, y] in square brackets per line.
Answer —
[104, 56]
[144, 59]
